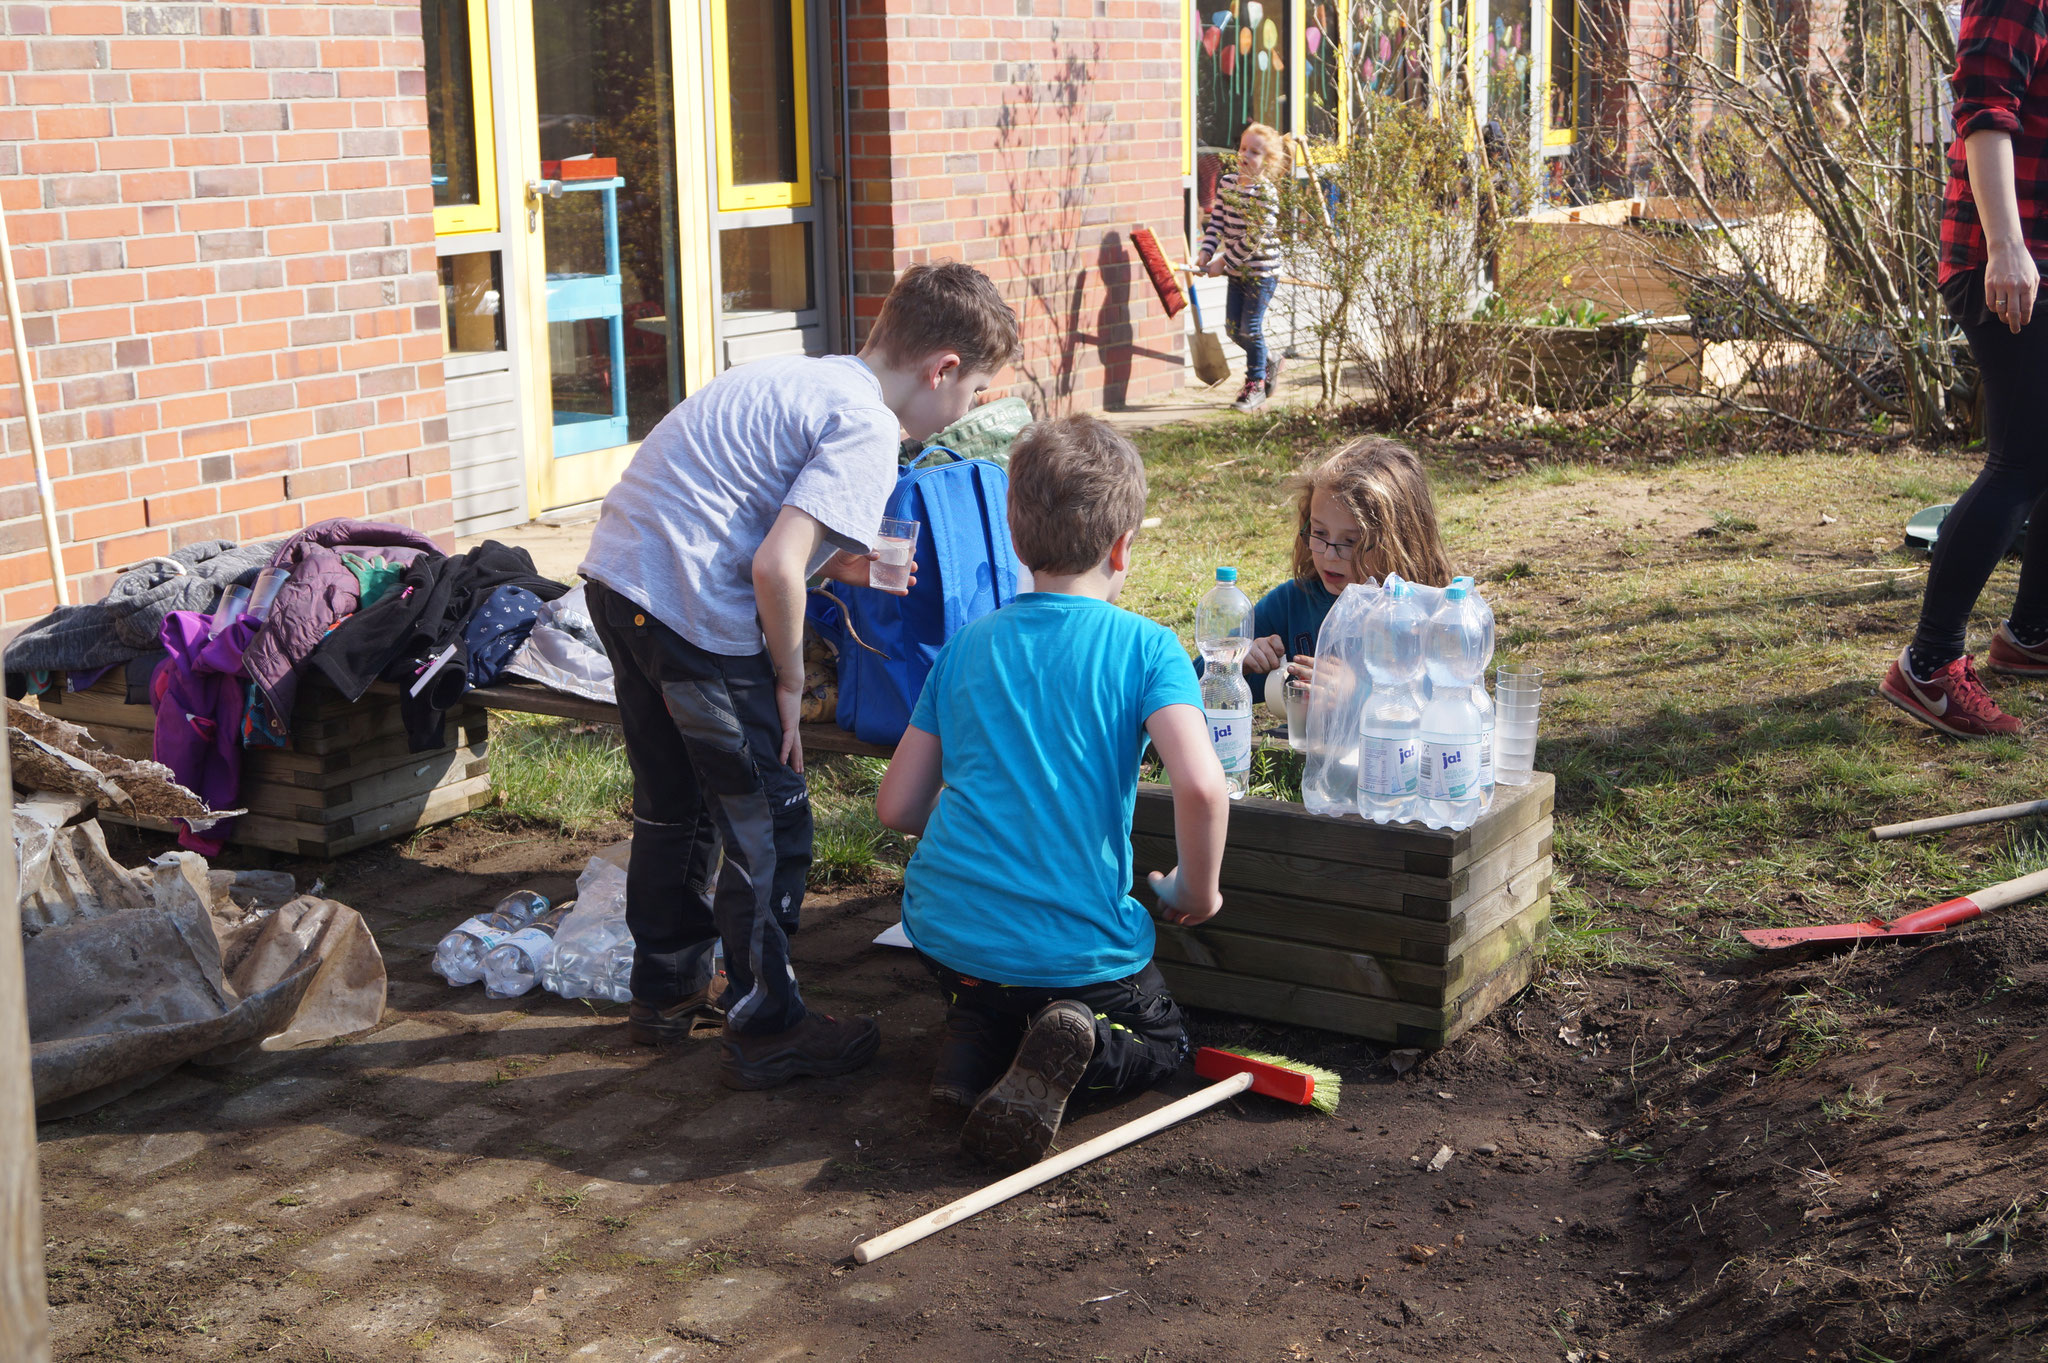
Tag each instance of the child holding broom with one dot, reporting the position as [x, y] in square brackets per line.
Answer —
[1019, 775]
[1243, 237]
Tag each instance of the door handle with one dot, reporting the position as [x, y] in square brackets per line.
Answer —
[536, 190]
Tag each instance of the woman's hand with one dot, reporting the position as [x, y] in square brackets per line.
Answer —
[2012, 281]
[1265, 654]
[1213, 267]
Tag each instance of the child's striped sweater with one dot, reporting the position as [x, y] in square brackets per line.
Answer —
[1245, 225]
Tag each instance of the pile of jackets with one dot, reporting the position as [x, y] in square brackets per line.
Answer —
[365, 601]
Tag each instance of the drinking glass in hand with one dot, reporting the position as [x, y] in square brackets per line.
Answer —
[897, 541]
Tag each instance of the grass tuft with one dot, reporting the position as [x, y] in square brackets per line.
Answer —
[559, 773]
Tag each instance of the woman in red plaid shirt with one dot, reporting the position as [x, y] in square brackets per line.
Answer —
[1994, 234]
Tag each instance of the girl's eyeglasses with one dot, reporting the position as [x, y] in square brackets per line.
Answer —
[1334, 548]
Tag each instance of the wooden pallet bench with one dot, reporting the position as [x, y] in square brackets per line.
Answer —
[1396, 932]
[348, 780]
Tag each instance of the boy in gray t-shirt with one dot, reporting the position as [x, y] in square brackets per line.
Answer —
[767, 475]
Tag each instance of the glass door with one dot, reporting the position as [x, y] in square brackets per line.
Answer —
[601, 219]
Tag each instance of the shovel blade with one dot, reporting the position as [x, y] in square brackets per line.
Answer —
[1776, 939]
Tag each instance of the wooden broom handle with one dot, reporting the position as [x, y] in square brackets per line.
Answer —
[1966, 819]
[910, 1232]
[1972, 905]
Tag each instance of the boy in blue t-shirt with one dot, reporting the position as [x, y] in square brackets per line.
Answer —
[1019, 774]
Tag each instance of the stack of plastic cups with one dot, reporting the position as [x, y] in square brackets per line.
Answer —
[1517, 696]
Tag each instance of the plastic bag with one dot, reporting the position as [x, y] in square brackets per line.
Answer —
[564, 652]
[1336, 699]
[593, 951]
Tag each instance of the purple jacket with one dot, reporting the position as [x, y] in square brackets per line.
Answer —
[322, 590]
[197, 695]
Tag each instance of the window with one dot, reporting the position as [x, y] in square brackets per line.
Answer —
[1561, 124]
[1323, 59]
[472, 302]
[1506, 58]
[760, 60]
[1240, 70]
[459, 134]
[767, 269]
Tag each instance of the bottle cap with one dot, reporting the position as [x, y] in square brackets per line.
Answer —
[1226, 574]
[1456, 591]
[1464, 580]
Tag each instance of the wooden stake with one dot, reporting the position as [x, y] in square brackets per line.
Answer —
[45, 494]
[24, 1330]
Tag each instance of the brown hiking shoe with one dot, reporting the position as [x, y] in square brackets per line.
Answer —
[1014, 1123]
[651, 1026]
[815, 1048]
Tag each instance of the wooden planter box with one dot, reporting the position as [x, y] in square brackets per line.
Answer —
[347, 780]
[1396, 932]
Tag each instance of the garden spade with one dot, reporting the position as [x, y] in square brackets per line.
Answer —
[1205, 346]
[1920, 924]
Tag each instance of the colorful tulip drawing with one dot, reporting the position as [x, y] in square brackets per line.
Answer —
[1253, 12]
[1314, 38]
[1210, 37]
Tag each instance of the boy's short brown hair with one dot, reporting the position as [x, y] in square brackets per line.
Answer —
[1075, 485]
[947, 306]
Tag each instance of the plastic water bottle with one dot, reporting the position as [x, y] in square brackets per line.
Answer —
[1453, 730]
[513, 967]
[1223, 632]
[459, 959]
[1390, 727]
[1481, 698]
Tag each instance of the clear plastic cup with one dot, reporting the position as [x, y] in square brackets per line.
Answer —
[1517, 677]
[1294, 695]
[233, 606]
[268, 584]
[897, 541]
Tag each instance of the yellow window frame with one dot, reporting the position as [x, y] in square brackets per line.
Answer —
[481, 216]
[769, 194]
[1566, 136]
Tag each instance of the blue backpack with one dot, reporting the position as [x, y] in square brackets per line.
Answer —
[965, 569]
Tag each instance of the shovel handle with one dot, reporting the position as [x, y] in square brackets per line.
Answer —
[1968, 819]
[1973, 905]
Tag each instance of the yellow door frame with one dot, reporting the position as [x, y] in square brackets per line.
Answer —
[552, 482]
[481, 216]
[1567, 136]
[733, 197]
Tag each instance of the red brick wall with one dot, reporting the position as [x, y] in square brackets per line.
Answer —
[1026, 137]
[223, 229]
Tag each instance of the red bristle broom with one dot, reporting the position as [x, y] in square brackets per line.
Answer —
[1156, 265]
[1275, 1076]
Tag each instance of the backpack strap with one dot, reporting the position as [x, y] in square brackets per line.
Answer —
[952, 457]
[994, 486]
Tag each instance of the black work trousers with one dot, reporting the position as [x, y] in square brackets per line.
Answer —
[704, 741]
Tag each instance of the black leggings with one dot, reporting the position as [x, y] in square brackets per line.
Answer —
[2012, 486]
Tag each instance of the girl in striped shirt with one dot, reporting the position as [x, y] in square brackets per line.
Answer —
[1243, 237]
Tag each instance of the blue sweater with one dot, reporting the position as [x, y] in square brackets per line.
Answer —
[1295, 613]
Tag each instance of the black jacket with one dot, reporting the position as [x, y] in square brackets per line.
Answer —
[412, 623]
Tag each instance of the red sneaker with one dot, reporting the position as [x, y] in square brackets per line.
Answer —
[1954, 702]
[2010, 655]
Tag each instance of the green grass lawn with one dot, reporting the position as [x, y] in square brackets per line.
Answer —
[1713, 632]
